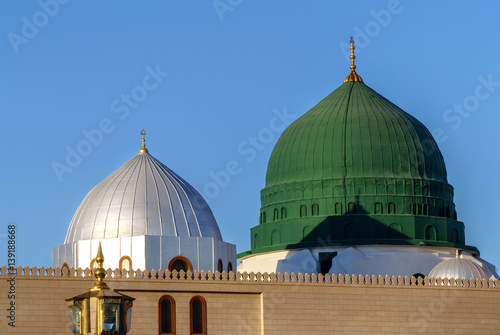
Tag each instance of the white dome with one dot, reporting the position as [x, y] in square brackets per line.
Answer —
[142, 197]
[458, 267]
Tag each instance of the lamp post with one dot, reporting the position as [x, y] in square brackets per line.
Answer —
[100, 311]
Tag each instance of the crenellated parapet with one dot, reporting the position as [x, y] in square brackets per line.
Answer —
[261, 278]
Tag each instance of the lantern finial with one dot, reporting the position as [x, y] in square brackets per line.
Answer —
[143, 149]
[100, 273]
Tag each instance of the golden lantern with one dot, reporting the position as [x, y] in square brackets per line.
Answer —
[100, 311]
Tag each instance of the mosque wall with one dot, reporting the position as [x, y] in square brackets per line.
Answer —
[262, 303]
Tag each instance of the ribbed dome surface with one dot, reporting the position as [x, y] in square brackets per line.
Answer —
[355, 132]
[458, 268]
[142, 197]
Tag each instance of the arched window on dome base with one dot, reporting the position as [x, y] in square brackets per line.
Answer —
[417, 209]
[351, 208]
[425, 209]
[395, 231]
[431, 233]
[315, 210]
[64, 266]
[338, 208]
[303, 211]
[283, 213]
[391, 208]
[418, 275]
[307, 233]
[180, 263]
[275, 214]
[125, 263]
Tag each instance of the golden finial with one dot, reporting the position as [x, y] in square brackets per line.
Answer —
[100, 256]
[353, 76]
[100, 273]
[143, 149]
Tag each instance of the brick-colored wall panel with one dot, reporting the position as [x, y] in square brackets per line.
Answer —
[241, 306]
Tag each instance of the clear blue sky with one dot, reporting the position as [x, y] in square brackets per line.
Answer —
[221, 74]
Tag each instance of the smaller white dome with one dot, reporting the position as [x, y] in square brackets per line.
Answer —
[142, 197]
[458, 267]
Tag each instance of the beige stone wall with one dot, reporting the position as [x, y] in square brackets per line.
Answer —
[269, 304]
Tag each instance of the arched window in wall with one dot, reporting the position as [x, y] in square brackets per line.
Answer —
[125, 263]
[315, 209]
[198, 315]
[351, 208]
[391, 208]
[415, 206]
[275, 216]
[220, 267]
[448, 214]
[430, 233]
[264, 219]
[307, 233]
[378, 208]
[180, 263]
[338, 208]
[166, 307]
[425, 209]
[303, 211]
[229, 267]
[395, 230]
[283, 213]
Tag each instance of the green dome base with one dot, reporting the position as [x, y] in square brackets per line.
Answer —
[357, 229]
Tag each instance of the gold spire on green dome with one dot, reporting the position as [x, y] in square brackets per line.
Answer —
[353, 76]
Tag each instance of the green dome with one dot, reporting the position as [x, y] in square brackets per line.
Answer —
[354, 170]
[355, 132]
